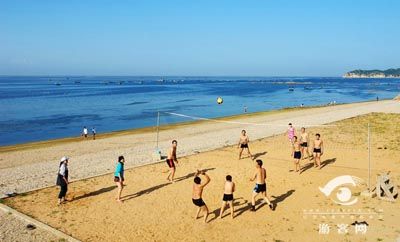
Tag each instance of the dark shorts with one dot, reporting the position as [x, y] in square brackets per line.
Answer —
[116, 179]
[304, 144]
[198, 202]
[170, 163]
[260, 188]
[297, 155]
[317, 150]
[227, 197]
[244, 146]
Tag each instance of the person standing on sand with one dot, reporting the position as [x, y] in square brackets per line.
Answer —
[197, 194]
[85, 132]
[62, 179]
[94, 133]
[304, 144]
[318, 150]
[261, 187]
[171, 159]
[229, 189]
[296, 154]
[291, 132]
[119, 176]
[244, 144]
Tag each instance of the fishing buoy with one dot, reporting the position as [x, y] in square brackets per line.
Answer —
[220, 100]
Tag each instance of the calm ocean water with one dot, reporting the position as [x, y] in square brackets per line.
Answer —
[41, 108]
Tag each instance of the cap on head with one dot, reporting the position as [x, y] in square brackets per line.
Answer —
[64, 158]
[259, 162]
[197, 180]
[229, 178]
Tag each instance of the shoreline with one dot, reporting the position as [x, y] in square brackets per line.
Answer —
[36, 164]
[149, 129]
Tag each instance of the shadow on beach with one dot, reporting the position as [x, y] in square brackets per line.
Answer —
[154, 188]
[95, 193]
[255, 156]
[323, 164]
[236, 203]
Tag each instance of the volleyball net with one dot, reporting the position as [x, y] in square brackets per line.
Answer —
[195, 134]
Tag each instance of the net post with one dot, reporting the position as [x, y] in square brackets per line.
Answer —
[369, 157]
[158, 127]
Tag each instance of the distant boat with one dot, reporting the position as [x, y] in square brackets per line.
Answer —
[77, 82]
[307, 88]
[57, 83]
[291, 89]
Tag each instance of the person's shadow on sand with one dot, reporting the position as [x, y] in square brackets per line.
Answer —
[323, 164]
[247, 207]
[255, 156]
[154, 188]
[95, 193]
[236, 202]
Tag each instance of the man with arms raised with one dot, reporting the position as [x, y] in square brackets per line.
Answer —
[198, 193]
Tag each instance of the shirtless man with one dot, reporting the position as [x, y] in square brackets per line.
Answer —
[304, 144]
[296, 153]
[228, 195]
[318, 150]
[244, 144]
[260, 175]
[171, 159]
[198, 192]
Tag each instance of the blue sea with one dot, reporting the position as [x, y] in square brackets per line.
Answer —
[42, 108]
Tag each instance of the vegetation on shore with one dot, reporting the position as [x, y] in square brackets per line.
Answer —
[389, 73]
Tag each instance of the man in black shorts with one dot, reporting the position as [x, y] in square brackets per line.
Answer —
[296, 154]
[228, 196]
[304, 144]
[318, 150]
[197, 194]
[171, 159]
[244, 144]
[261, 187]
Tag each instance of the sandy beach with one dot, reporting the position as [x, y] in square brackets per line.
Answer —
[156, 210]
[32, 166]
[150, 198]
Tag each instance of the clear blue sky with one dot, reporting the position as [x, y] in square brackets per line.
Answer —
[170, 37]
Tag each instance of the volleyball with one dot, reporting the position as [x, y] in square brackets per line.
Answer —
[220, 100]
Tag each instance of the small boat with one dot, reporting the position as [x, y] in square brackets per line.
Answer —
[291, 89]
[57, 83]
